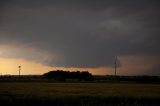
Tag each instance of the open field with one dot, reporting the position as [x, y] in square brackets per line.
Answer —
[81, 94]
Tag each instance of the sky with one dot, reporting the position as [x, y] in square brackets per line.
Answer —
[85, 35]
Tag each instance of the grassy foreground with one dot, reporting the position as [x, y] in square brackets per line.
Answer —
[80, 94]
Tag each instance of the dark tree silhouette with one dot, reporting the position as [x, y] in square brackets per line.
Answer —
[61, 75]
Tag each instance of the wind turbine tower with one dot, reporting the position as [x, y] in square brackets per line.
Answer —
[19, 70]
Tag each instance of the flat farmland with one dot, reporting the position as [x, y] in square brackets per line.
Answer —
[87, 94]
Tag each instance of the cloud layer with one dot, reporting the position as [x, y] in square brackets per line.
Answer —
[82, 33]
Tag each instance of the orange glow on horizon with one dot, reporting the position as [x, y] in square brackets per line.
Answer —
[10, 66]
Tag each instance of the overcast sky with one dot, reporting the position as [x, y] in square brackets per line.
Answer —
[82, 33]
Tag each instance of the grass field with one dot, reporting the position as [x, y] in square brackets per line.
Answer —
[80, 94]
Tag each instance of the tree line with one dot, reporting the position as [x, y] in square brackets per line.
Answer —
[61, 75]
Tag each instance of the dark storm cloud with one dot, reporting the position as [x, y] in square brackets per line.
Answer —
[83, 33]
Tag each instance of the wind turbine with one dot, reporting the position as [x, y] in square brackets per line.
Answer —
[19, 70]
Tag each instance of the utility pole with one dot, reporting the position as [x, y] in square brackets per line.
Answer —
[19, 71]
[115, 66]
